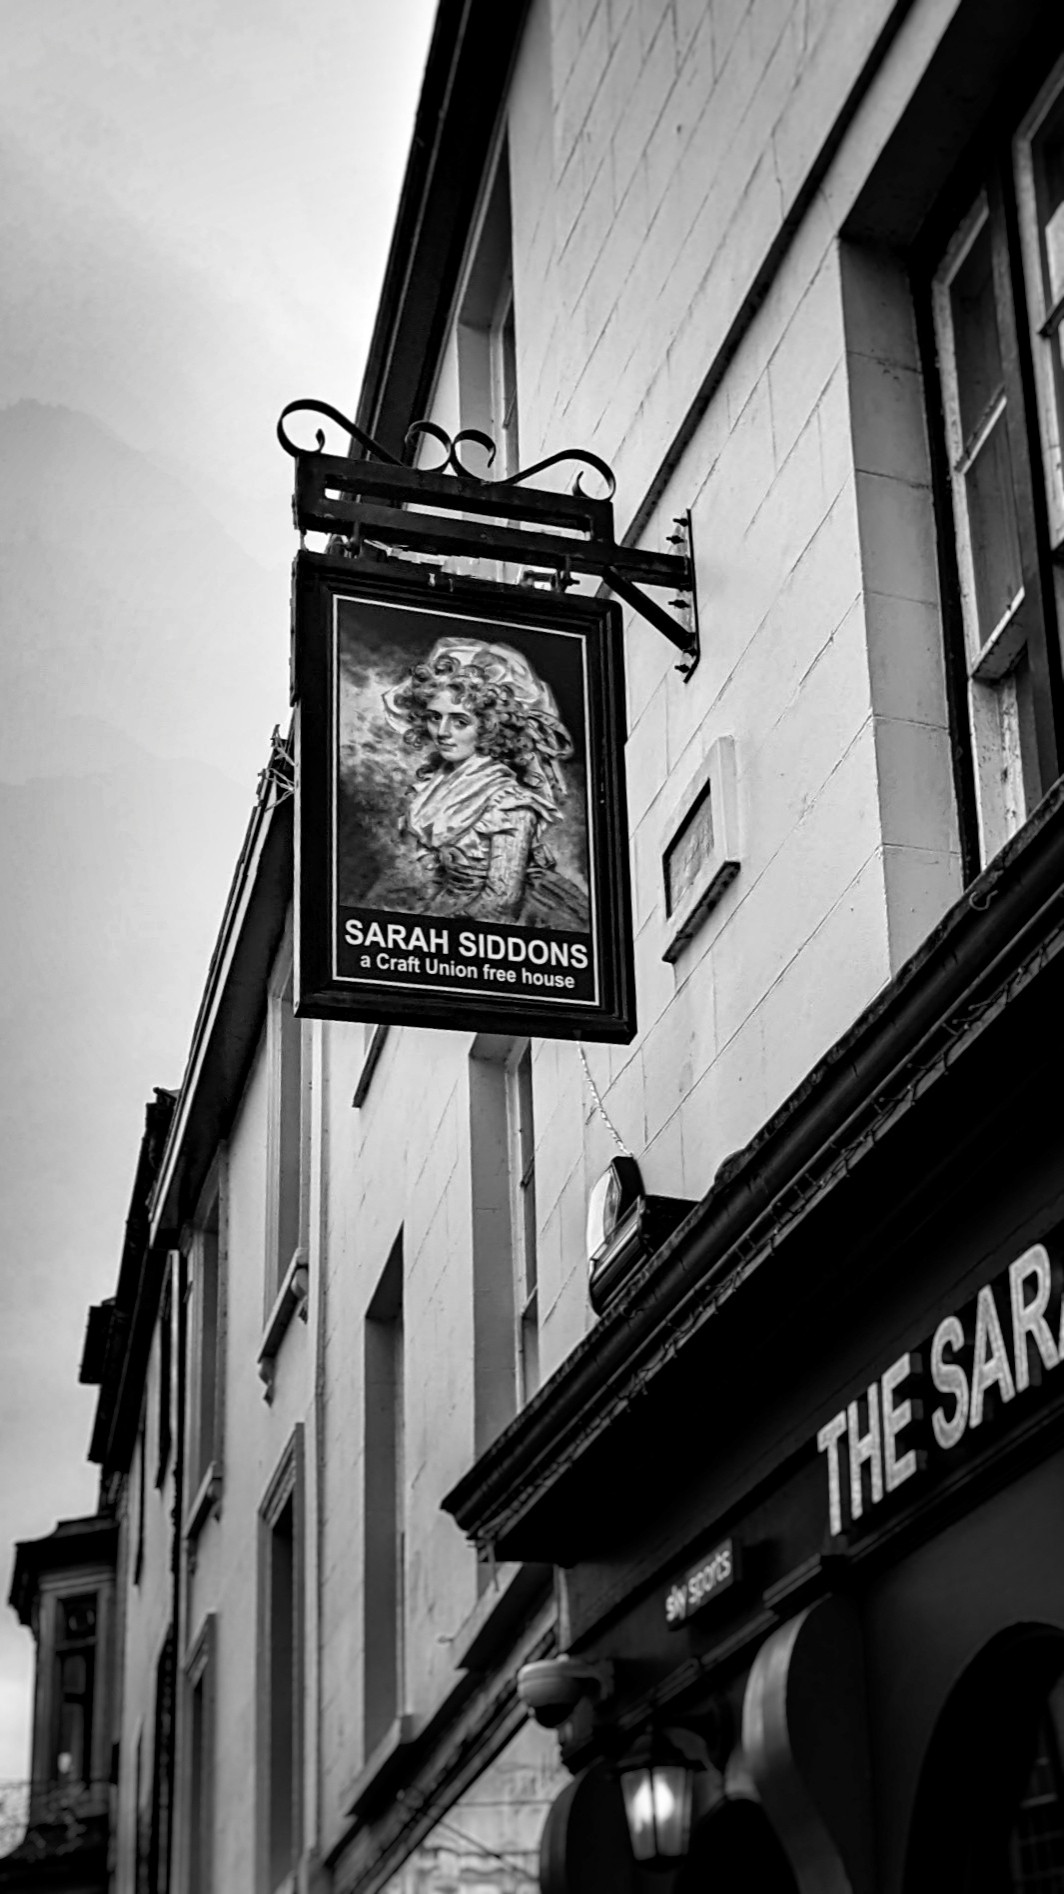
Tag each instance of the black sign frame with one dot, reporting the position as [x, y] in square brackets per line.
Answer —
[341, 604]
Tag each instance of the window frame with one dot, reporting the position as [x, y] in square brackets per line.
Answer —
[1046, 318]
[485, 326]
[162, 1787]
[286, 1267]
[197, 1773]
[286, 1489]
[524, 1226]
[384, 1518]
[66, 1646]
[164, 1412]
[140, 1487]
[206, 1469]
[987, 166]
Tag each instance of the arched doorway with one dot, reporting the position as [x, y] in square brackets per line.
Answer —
[989, 1815]
[734, 1850]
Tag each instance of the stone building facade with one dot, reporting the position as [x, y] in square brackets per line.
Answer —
[794, 268]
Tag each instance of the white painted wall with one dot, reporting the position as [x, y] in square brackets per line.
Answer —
[657, 149]
[145, 1611]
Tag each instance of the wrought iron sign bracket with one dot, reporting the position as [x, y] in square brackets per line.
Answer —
[448, 511]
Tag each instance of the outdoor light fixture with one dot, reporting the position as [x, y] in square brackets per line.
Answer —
[614, 1196]
[657, 1784]
[624, 1227]
[553, 1686]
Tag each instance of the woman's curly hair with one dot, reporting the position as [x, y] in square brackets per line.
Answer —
[507, 730]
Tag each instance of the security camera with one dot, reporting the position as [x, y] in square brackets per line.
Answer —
[554, 1686]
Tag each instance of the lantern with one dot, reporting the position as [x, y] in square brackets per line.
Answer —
[657, 1782]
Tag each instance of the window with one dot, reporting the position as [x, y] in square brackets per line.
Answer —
[288, 1168]
[522, 1135]
[164, 1422]
[486, 335]
[141, 1453]
[206, 1407]
[281, 1677]
[384, 1510]
[1036, 1834]
[139, 1862]
[989, 1808]
[141, 1828]
[502, 1143]
[75, 1657]
[1039, 152]
[199, 1807]
[996, 289]
[162, 1740]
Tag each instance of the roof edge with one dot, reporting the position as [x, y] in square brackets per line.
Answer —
[231, 1009]
[472, 49]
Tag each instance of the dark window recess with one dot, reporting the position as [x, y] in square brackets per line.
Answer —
[75, 1662]
[523, 1187]
[142, 1457]
[284, 1708]
[165, 1383]
[281, 1696]
[198, 1796]
[289, 1138]
[1036, 1843]
[199, 1837]
[384, 1502]
[161, 1779]
[206, 1405]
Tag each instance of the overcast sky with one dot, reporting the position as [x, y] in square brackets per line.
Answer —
[196, 199]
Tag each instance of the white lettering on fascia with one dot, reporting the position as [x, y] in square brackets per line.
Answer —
[949, 1379]
[827, 1442]
[989, 1360]
[990, 1368]
[1029, 1314]
[897, 1416]
[864, 1450]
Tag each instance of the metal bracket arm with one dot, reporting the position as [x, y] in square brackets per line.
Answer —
[337, 496]
[472, 538]
[680, 635]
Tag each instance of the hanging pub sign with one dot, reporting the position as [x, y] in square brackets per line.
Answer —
[461, 832]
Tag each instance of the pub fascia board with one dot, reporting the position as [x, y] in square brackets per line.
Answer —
[1013, 1349]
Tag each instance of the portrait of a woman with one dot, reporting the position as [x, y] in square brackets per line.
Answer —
[475, 832]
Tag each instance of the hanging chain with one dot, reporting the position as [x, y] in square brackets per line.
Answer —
[600, 1107]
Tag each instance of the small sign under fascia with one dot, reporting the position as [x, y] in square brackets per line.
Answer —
[701, 856]
[704, 1582]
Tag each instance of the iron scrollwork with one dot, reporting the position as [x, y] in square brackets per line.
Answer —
[452, 461]
[387, 501]
[366, 442]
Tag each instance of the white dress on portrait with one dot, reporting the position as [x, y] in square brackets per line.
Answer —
[473, 847]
